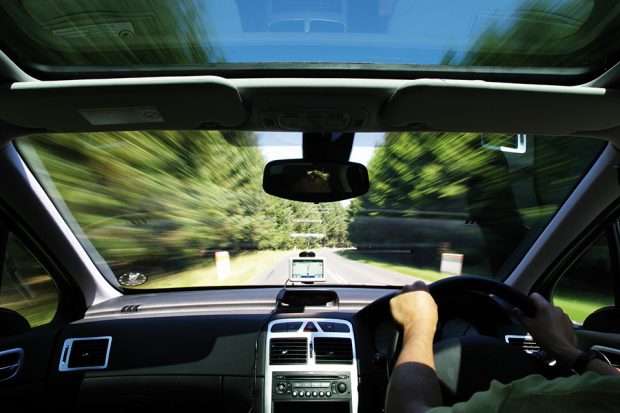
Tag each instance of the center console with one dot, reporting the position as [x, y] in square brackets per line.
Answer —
[310, 365]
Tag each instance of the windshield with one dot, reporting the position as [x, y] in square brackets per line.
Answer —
[79, 36]
[176, 209]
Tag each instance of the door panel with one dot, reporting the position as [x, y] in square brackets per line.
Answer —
[27, 387]
[610, 342]
[29, 324]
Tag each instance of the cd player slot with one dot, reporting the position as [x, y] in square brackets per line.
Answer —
[314, 378]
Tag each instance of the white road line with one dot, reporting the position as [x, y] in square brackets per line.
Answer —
[336, 276]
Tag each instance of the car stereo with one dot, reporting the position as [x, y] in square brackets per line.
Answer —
[310, 366]
[295, 386]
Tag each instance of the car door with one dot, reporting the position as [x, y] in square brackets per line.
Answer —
[586, 286]
[35, 300]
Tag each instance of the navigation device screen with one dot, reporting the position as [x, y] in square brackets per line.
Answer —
[307, 269]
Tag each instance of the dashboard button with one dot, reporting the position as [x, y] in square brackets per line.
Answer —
[310, 328]
[279, 328]
[294, 394]
[327, 327]
[293, 327]
[307, 394]
[341, 328]
[301, 394]
[328, 394]
[321, 394]
[314, 394]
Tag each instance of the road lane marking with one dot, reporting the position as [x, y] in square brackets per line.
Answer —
[336, 276]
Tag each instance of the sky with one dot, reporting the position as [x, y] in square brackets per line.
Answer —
[287, 145]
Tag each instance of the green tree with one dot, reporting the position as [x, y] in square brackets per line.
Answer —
[156, 197]
[544, 33]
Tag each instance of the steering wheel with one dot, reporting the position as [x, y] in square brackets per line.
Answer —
[484, 285]
[468, 364]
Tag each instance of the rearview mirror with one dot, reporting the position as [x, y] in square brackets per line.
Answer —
[309, 181]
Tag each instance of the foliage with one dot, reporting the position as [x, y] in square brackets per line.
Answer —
[166, 200]
[159, 32]
[435, 192]
[542, 33]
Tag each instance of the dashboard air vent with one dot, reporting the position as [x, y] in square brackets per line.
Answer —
[333, 350]
[526, 343]
[85, 353]
[130, 308]
[288, 351]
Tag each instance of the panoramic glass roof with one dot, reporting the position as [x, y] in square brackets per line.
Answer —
[552, 36]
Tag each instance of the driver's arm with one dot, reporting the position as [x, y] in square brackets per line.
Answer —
[413, 385]
[553, 330]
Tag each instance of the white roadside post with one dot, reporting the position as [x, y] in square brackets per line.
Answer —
[222, 265]
[451, 264]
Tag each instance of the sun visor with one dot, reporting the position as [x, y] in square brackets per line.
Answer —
[123, 104]
[452, 105]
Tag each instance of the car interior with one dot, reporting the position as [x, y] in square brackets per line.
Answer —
[206, 205]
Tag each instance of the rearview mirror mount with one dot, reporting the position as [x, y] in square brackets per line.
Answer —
[315, 181]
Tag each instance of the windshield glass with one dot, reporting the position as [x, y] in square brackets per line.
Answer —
[176, 209]
[83, 35]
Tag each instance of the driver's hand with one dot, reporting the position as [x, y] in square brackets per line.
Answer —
[552, 329]
[414, 309]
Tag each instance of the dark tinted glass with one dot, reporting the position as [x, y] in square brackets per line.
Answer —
[555, 36]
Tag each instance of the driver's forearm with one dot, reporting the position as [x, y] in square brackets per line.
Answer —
[413, 385]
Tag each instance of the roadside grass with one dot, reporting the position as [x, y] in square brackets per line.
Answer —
[244, 267]
[36, 301]
[579, 305]
[39, 311]
[384, 261]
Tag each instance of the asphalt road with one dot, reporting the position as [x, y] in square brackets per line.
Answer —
[339, 270]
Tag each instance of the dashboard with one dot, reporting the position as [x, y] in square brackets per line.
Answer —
[310, 361]
[228, 350]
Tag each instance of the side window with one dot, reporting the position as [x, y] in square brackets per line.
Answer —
[25, 286]
[589, 283]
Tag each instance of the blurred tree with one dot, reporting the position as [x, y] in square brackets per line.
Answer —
[165, 200]
[543, 33]
[121, 33]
